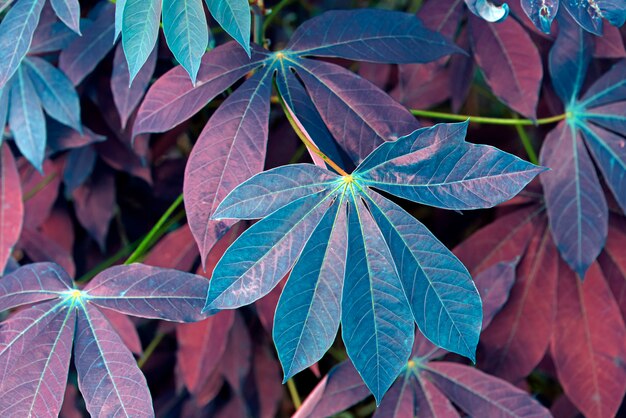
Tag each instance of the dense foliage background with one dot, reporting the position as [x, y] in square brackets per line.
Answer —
[126, 125]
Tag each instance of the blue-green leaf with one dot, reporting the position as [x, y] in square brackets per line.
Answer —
[444, 300]
[186, 32]
[16, 34]
[69, 13]
[377, 325]
[234, 17]
[309, 308]
[140, 22]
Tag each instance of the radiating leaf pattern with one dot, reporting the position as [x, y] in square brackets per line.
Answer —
[392, 263]
[36, 342]
[595, 125]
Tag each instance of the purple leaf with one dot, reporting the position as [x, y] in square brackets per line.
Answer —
[149, 292]
[341, 388]
[494, 285]
[200, 348]
[575, 201]
[108, 376]
[11, 206]
[94, 203]
[442, 16]
[41, 248]
[172, 99]
[520, 334]
[60, 137]
[230, 149]
[33, 283]
[482, 395]
[125, 328]
[358, 114]
[35, 351]
[127, 98]
[370, 35]
[80, 58]
[78, 167]
[588, 344]
[509, 61]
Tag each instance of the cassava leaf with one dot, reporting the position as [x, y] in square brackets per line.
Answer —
[35, 343]
[370, 115]
[595, 125]
[12, 208]
[69, 13]
[395, 264]
[184, 25]
[16, 34]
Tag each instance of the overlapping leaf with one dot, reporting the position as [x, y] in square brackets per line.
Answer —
[594, 131]
[428, 388]
[36, 342]
[398, 274]
[549, 309]
[18, 27]
[232, 146]
[184, 26]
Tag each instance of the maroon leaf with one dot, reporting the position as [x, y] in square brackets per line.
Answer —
[125, 328]
[11, 206]
[510, 62]
[230, 149]
[177, 250]
[200, 348]
[589, 343]
[520, 334]
[40, 191]
[40, 248]
[94, 203]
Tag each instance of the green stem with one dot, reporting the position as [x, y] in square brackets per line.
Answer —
[39, 187]
[293, 392]
[148, 239]
[150, 349]
[527, 143]
[488, 120]
[274, 13]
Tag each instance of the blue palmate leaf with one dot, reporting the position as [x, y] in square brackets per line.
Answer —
[140, 31]
[56, 92]
[26, 118]
[16, 34]
[357, 115]
[393, 269]
[234, 17]
[576, 205]
[377, 328]
[69, 13]
[186, 32]
[308, 311]
[36, 342]
[184, 25]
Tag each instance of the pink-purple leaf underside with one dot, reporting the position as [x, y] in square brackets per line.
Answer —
[11, 206]
[149, 292]
[35, 351]
[94, 203]
[520, 334]
[108, 377]
[358, 114]
[172, 99]
[33, 283]
[589, 343]
[200, 348]
[230, 149]
[125, 327]
[510, 62]
[341, 388]
[482, 395]
[127, 98]
[82, 56]
[613, 261]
